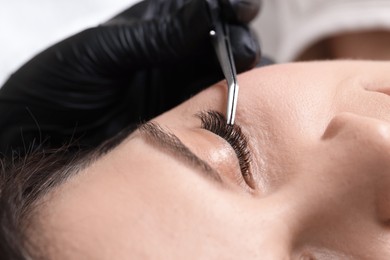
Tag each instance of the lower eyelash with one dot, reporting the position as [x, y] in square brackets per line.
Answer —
[215, 122]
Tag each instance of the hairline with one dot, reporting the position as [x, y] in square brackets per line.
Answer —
[27, 173]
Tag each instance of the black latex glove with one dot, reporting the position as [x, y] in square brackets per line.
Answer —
[144, 61]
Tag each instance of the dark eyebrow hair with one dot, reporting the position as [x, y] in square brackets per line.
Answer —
[25, 180]
[171, 144]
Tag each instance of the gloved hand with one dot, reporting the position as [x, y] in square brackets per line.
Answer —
[140, 63]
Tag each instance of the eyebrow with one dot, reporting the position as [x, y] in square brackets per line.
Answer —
[172, 145]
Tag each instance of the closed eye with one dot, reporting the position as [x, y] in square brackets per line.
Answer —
[215, 122]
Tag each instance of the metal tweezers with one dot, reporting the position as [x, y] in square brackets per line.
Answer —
[223, 49]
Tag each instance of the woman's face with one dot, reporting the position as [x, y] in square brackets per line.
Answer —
[318, 182]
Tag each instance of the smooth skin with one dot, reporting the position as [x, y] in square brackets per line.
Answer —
[319, 136]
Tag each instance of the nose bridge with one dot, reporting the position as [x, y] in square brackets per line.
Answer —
[358, 126]
[365, 146]
[369, 136]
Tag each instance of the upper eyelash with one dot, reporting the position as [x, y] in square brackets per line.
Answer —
[215, 122]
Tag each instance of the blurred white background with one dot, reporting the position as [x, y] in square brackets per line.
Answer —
[29, 26]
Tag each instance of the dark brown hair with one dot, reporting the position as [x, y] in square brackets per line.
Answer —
[24, 180]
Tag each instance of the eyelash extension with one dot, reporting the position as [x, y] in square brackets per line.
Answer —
[215, 122]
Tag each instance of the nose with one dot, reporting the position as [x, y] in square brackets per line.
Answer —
[362, 147]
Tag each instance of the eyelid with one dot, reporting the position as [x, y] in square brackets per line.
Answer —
[215, 122]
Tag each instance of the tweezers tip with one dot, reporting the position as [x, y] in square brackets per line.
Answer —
[230, 120]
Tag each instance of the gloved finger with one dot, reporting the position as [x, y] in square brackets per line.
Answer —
[160, 41]
[240, 11]
[245, 47]
[180, 37]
